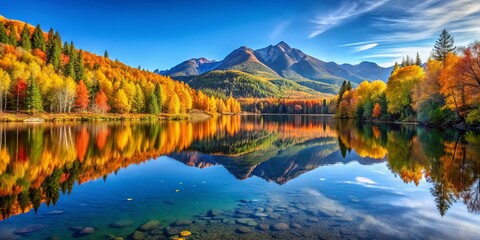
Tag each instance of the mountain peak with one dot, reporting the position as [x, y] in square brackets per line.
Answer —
[284, 46]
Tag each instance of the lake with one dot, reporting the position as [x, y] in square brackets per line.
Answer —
[238, 177]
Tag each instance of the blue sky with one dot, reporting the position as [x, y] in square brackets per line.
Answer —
[161, 34]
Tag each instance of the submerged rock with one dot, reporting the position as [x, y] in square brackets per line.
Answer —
[150, 225]
[280, 227]
[183, 222]
[87, 230]
[172, 231]
[121, 224]
[215, 212]
[138, 235]
[263, 226]
[30, 228]
[243, 230]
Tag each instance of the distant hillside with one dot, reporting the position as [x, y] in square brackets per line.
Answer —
[308, 75]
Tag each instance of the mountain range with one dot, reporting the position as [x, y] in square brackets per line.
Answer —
[274, 71]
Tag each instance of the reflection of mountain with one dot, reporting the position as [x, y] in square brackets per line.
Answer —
[273, 163]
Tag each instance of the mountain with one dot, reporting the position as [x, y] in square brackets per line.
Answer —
[368, 70]
[297, 73]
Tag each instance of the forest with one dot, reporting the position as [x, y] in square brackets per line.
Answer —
[39, 73]
[444, 91]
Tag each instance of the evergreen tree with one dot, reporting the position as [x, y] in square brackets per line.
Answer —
[342, 90]
[408, 61]
[324, 106]
[349, 86]
[138, 99]
[54, 49]
[3, 34]
[403, 64]
[105, 55]
[34, 97]
[153, 105]
[25, 42]
[395, 67]
[12, 37]
[418, 61]
[159, 94]
[38, 40]
[69, 68]
[443, 45]
[78, 66]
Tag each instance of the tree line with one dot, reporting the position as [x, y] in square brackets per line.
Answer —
[39, 73]
[288, 106]
[443, 91]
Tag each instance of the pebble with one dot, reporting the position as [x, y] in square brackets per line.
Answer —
[273, 215]
[252, 223]
[313, 220]
[244, 211]
[244, 230]
[259, 215]
[183, 222]
[243, 220]
[259, 209]
[296, 225]
[30, 228]
[138, 235]
[185, 233]
[280, 227]
[150, 225]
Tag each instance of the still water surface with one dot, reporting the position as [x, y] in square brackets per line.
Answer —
[238, 177]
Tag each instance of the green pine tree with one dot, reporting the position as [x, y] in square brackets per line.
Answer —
[349, 86]
[79, 68]
[54, 49]
[443, 46]
[25, 42]
[34, 97]
[153, 104]
[159, 95]
[38, 40]
[395, 67]
[12, 37]
[138, 99]
[105, 55]
[342, 90]
[418, 61]
[3, 34]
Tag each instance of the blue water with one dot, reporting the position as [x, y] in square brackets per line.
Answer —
[351, 196]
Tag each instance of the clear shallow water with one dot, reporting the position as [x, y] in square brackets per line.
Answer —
[321, 177]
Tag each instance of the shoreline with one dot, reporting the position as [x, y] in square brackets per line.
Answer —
[194, 115]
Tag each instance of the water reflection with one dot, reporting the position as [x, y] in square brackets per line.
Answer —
[38, 163]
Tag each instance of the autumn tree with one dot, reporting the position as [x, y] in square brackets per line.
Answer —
[20, 91]
[34, 98]
[173, 104]
[82, 99]
[121, 102]
[450, 86]
[5, 82]
[101, 102]
[377, 110]
[25, 42]
[445, 44]
[399, 89]
[38, 40]
[138, 102]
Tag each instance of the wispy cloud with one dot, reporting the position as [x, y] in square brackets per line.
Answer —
[279, 30]
[365, 47]
[347, 10]
[355, 44]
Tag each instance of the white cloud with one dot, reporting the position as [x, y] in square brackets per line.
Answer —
[365, 180]
[365, 47]
[346, 11]
[355, 44]
[278, 30]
